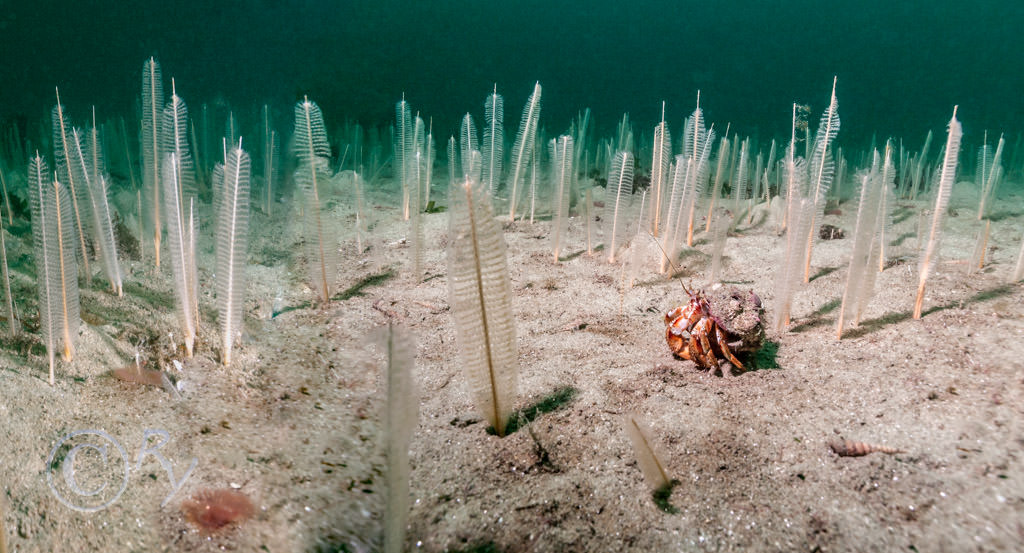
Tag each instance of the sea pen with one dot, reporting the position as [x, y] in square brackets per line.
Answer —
[403, 149]
[620, 184]
[55, 262]
[661, 159]
[492, 148]
[3, 527]
[12, 321]
[822, 169]
[480, 293]
[152, 100]
[562, 174]
[62, 159]
[723, 156]
[523, 147]
[1018, 268]
[400, 413]
[181, 253]
[646, 456]
[7, 198]
[946, 179]
[231, 238]
[313, 152]
[862, 237]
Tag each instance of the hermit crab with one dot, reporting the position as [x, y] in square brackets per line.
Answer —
[712, 328]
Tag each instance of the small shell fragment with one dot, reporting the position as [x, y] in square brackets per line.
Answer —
[850, 448]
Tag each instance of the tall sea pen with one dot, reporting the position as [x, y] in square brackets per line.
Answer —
[863, 233]
[990, 180]
[232, 237]
[68, 173]
[401, 409]
[562, 176]
[588, 216]
[94, 160]
[453, 163]
[467, 145]
[522, 148]
[790, 273]
[720, 170]
[620, 184]
[983, 170]
[480, 293]
[152, 105]
[885, 208]
[919, 169]
[797, 220]
[668, 243]
[179, 193]
[697, 177]
[180, 237]
[945, 189]
[534, 164]
[493, 147]
[56, 269]
[105, 230]
[312, 153]
[416, 217]
[741, 184]
[660, 162]
[822, 171]
[403, 150]
[7, 197]
[639, 247]
[581, 131]
[358, 186]
[430, 153]
[174, 140]
[271, 157]
[93, 190]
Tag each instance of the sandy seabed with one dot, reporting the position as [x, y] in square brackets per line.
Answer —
[295, 422]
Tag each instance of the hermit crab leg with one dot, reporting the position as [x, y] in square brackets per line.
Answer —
[696, 355]
[706, 344]
[724, 346]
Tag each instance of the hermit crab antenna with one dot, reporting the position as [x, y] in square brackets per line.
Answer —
[671, 264]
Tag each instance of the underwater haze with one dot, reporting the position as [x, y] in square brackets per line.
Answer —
[901, 66]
